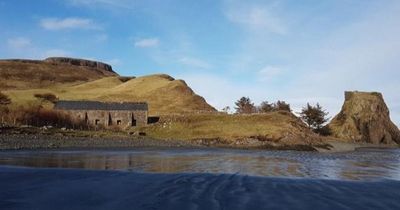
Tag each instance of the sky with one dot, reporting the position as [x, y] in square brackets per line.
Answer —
[296, 51]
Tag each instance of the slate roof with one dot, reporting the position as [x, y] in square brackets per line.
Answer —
[96, 105]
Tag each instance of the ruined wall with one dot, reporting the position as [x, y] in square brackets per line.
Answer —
[100, 118]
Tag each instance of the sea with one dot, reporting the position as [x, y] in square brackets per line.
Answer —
[182, 178]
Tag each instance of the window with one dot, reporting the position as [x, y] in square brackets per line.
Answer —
[119, 122]
[97, 121]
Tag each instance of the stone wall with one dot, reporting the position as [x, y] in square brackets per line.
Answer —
[100, 118]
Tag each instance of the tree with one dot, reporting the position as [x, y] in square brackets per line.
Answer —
[244, 106]
[265, 107]
[282, 106]
[226, 109]
[4, 99]
[314, 117]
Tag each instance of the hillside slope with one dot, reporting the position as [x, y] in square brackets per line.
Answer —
[27, 74]
[163, 93]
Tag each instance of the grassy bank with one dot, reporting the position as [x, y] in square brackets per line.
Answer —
[275, 128]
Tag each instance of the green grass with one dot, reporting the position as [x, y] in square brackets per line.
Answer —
[161, 92]
[270, 126]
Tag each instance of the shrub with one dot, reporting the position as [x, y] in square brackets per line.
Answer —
[265, 107]
[47, 97]
[282, 106]
[4, 99]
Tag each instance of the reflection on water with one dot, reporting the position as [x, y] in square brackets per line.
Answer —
[359, 165]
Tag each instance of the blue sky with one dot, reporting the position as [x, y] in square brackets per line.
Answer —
[297, 51]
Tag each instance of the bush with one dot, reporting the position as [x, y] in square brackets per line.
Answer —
[47, 97]
[4, 99]
[38, 116]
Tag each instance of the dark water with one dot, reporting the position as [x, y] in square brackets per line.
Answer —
[199, 179]
[367, 164]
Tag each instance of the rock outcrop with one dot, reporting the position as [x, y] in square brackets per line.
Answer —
[80, 62]
[365, 118]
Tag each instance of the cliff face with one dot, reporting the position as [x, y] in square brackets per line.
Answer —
[365, 118]
[80, 62]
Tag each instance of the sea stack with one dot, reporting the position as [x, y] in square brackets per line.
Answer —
[365, 118]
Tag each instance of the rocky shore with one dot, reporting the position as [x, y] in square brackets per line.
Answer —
[27, 138]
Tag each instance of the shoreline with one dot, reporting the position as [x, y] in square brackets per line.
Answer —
[14, 139]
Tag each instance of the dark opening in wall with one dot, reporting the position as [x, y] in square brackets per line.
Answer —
[133, 123]
[97, 121]
[119, 122]
[109, 119]
[153, 119]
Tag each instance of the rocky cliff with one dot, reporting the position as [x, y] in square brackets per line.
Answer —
[80, 62]
[27, 74]
[365, 118]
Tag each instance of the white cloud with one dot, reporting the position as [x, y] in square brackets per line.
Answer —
[269, 72]
[19, 43]
[255, 17]
[147, 42]
[68, 23]
[194, 62]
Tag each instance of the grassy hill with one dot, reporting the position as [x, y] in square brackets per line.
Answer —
[163, 93]
[27, 74]
[274, 128]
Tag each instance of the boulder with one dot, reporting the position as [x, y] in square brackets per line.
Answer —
[365, 118]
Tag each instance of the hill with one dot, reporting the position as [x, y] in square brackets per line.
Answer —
[27, 74]
[163, 93]
[279, 129]
[365, 118]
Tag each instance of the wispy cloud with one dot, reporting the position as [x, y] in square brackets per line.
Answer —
[255, 17]
[147, 42]
[194, 62]
[19, 43]
[269, 72]
[68, 23]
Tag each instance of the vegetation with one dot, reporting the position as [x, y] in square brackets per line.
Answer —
[244, 106]
[282, 106]
[47, 97]
[274, 127]
[314, 117]
[265, 107]
[163, 93]
[4, 99]
[38, 116]
[38, 74]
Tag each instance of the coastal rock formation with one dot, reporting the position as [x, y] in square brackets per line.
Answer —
[365, 118]
[80, 62]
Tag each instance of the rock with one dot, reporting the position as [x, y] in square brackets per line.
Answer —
[80, 62]
[365, 118]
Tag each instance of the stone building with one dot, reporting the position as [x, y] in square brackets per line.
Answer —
[105, 114]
